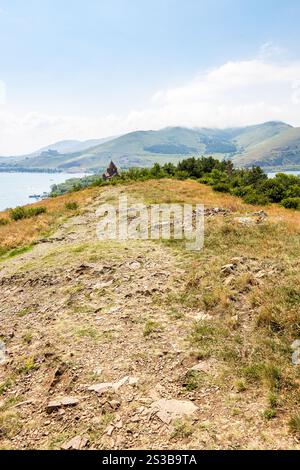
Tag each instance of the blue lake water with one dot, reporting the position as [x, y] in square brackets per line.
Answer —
[15, 188]
[296, 173]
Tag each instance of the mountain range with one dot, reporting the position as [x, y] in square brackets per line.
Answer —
[272, 145]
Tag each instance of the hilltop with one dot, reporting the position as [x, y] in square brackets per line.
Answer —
[101, 340]
[271, 145]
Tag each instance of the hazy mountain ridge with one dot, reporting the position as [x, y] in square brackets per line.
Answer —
[269, 144]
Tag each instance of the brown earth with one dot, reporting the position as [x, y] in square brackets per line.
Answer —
[102, 337]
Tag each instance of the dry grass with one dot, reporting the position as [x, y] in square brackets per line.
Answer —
[25, 232]
[168, 190]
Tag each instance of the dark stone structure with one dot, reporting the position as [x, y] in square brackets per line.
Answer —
[111, 171]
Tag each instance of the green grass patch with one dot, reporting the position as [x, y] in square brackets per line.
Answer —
[20, 213]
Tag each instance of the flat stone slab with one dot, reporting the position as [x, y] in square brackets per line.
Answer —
[61, 402]
[113, 386]
[167, 410]
[204, 366]
[77, 443]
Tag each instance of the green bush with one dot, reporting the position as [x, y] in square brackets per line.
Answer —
[222, 187]
[20, 213]
[251, 184]
[291, 203]
[4, 221]
[255, 198]
[71, 206]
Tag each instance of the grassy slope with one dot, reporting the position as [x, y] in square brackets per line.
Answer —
[250, 391]
[283, 149]
[250, 136]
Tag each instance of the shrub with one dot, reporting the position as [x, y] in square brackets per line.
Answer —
[222, 187]
[274, 189]
[4, 221]
[71, 206]
[23, 213]
[34, 211]
[291, 203]
[255, 198]
[18, 213]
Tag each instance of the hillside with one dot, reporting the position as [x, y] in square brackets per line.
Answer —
[269, 144]
[280, 150]
[71, 146]
[142, 344]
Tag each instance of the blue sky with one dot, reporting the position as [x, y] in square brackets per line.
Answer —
[89, 68]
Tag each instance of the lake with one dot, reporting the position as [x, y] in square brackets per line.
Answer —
[15, 188]
[295, 173]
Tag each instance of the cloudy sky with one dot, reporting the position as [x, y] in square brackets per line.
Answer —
[80, 69]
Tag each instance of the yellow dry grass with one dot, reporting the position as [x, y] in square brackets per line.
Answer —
[192, 192]
[25, 232]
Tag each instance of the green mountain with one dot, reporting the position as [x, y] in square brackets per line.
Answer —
[271, 144]
[71, 146]
[282, 150]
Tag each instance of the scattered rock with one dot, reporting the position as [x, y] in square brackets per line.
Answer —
[2, 353]
[261, 216]
[296, 357]
[167, 410]
[59, 372]
[98, 371]
[135, 265]
[214, 211]
[229, 280]
[228, 269]
[101, 388]
[104, 284]
[201, 316]
[77, 443]
[61, 403]
[247, 221]
[295, 345]
[253, 218]
[112, 386]
[114, 404]
[109, 430]
[203, 366]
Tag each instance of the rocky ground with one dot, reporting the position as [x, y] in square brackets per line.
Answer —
[97, 350]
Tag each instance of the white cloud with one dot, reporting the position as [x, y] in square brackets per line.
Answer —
[270, 50]
[234, 94]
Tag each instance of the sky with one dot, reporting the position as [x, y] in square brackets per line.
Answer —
[81, 69]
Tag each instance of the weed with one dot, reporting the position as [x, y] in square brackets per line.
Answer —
[192, 380]
[87, 332]
[151, 327]
[294, 424]
[71, 206]
[269, 413]
[25, 311]
[27, 337]
[182, 430]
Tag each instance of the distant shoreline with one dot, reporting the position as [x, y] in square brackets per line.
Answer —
[41, 170]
